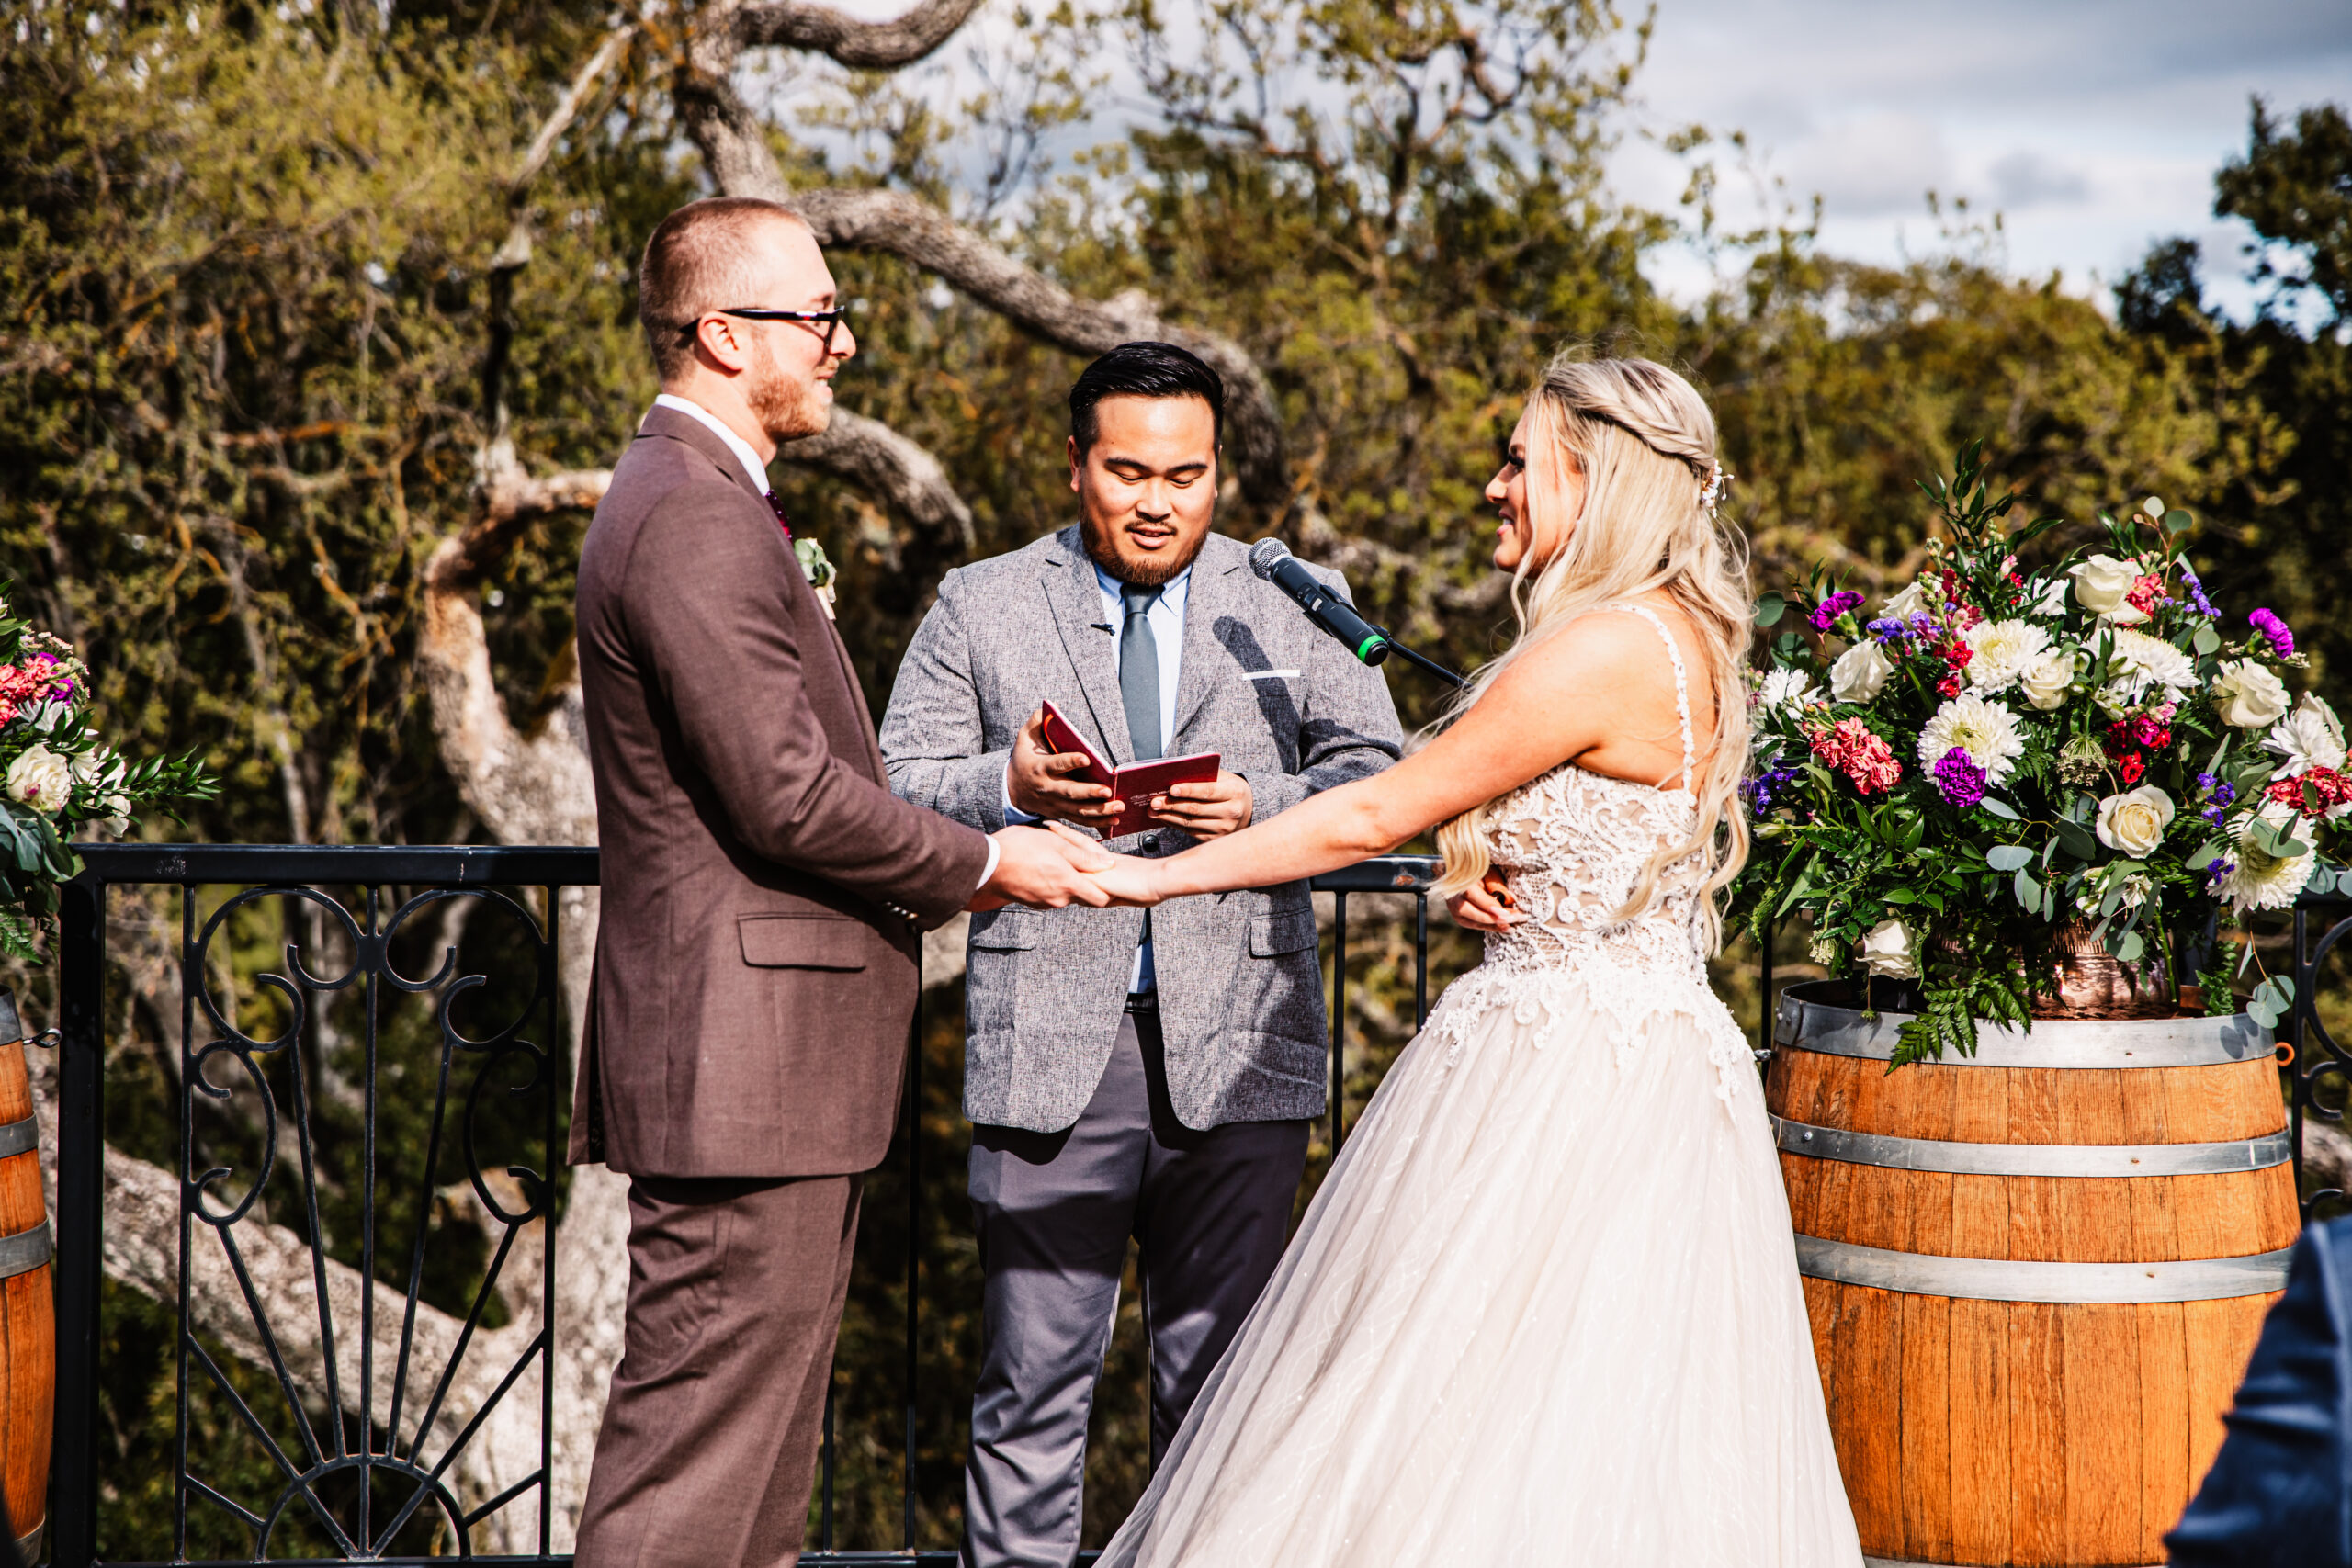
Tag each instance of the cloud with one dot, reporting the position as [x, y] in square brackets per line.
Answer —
[2025, 178]
[1873, 164]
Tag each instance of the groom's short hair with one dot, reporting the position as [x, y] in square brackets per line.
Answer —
[701, 258]
[1143, 370]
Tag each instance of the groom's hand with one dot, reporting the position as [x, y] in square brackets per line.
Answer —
[1042, 782]
[1046, 867]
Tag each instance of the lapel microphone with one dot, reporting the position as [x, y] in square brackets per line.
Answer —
[1270, 560]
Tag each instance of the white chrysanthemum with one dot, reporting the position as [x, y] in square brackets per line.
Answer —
[2261, 880]
[1786, 688]
[1986, 731]
[2004, 651]
[2142, 661]
[2310, 737]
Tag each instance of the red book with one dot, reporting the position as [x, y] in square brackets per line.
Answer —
[1133, 785]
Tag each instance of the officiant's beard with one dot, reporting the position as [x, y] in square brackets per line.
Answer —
[1136, 569]
[786, 409]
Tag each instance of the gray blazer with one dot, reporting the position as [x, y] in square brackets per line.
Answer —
[1241, 990]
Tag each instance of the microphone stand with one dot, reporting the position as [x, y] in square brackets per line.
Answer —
[1432, 665]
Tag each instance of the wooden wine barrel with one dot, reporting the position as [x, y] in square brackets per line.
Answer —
[2035, 1275]
[28, 1315]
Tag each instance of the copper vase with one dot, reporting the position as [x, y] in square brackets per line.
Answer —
[2091, 983]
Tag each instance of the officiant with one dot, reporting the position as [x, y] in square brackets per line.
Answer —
[1126, 1076]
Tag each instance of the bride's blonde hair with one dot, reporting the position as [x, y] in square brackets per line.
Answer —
[1645, 442]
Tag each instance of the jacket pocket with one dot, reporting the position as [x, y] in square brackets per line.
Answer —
[802, 941]
[1008, 929]
[1292, 930]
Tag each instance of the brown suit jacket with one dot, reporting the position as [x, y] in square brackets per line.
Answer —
[763, 891]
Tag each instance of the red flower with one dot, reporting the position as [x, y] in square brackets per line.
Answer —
[2131, 768]
[2314, 792]
[2146, 595]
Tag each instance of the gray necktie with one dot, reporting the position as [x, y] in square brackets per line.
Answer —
[1139, 672]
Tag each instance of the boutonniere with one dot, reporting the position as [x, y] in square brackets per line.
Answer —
[817, 570]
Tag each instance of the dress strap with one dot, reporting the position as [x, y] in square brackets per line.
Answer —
[1682, 685]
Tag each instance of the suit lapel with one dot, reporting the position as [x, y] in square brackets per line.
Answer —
[1209, 597]
[1076, 600]
[705, 440]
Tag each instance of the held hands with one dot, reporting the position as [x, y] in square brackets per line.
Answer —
[1046, 866]
[1489, 907]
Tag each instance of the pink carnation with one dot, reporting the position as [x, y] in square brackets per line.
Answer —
[22, 686]
[1853, 750]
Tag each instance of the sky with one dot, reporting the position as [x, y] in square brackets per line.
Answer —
[2094, 127]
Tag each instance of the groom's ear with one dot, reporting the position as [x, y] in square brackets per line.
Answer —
[1074, 464]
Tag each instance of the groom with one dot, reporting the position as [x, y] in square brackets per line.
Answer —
[764, 897]
[1126, 1078]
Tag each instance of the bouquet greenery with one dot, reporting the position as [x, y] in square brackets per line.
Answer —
[1955, 784]
[58, 776]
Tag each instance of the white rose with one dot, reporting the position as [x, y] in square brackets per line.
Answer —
[2100, 586]
[1912, 601]
[1887, 951]
[40, 779]
[2134, 824]
[2248, 695]
[2048, 678]
[1860, 671]
[117, 817]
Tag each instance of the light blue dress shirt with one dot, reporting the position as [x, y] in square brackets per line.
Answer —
[1166, 619]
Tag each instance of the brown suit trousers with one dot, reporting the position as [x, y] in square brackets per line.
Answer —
[717, 1350]
[764, 899]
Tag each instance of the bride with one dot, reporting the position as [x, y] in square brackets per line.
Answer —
[1545, 1307]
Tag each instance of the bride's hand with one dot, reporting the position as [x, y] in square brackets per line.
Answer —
[1130, 880]
[1485, 907]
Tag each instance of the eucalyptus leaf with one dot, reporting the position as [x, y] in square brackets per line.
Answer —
[1769, 609]
[2008, 857]
[2207, 641]
[2000, 809]
[2177, 521]
[2130, 947]
[2078, 840]
[2029, 892]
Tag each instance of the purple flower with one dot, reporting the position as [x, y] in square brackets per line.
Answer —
[1889, 630]
[1959, 778]
[2218, 869]
[2196, 593]
[1826, 614]
[2282, 641]
[1765, 788]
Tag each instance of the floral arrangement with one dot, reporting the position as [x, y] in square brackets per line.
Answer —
[57, 777]
[2000, 755]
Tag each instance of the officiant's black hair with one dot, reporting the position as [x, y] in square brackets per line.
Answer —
[1143, 370]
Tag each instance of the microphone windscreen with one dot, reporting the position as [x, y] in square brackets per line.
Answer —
[1266, 555]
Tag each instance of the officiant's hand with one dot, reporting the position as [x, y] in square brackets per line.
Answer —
[1489, 907]
[1205, 810]
[1047, 867]
[1042, 782]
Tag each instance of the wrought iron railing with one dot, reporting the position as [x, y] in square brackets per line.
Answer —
[380, 1484]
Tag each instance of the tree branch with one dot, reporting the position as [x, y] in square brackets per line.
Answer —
[907, 227]
[864, 46]
[885, 463]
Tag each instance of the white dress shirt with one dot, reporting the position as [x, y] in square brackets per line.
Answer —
[758, 472]
[1165, 617]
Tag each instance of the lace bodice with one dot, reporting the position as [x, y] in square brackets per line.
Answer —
[1572, 845]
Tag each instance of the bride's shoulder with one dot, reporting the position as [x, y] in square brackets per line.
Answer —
[1605, 646]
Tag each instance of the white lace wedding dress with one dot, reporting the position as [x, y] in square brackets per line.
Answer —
[1545, 1307]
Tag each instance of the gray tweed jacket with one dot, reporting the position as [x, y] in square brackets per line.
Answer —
[1241, 990]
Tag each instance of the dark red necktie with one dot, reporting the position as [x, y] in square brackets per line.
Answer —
[775, 504]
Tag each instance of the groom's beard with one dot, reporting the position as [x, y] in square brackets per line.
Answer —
[1102, 548]
[787, 410]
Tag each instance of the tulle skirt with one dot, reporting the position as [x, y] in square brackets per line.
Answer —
[1544, 1309]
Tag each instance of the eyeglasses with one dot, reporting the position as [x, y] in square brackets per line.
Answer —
[832, 318]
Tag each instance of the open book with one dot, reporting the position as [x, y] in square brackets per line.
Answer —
[1133, 785]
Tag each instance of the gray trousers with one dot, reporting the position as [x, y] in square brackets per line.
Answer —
[1210, 1212]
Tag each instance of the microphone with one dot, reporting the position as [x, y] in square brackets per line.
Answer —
[1272, 561]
